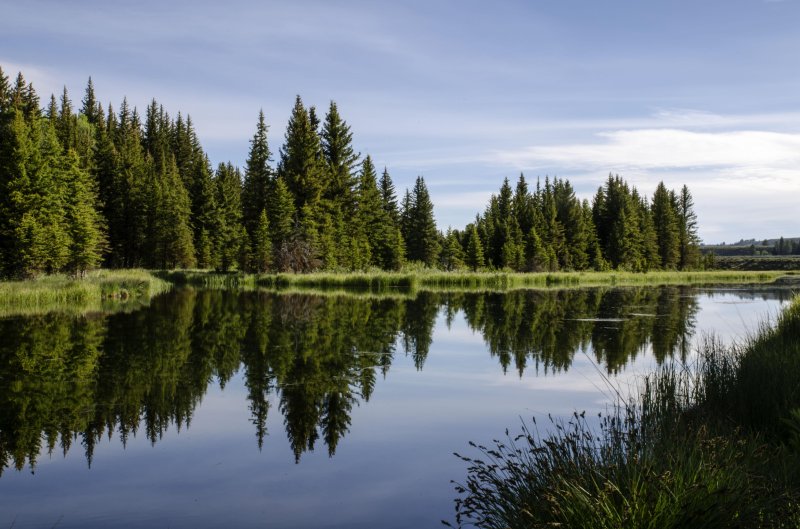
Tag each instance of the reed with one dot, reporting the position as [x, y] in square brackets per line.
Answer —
[713, 445]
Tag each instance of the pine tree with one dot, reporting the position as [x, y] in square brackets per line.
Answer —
[229, 203]
[665, 223]
[688, 239]
[300, 165]
[85, 223]
[127, 193]
[66, 124]
[474, 254]
[422, 238]
[388, 197]
[257, 177]
[90, 104]
[452, 255]
[281, 213]
[169, 236]
[336, 141]
[37, 227]
[262, 246]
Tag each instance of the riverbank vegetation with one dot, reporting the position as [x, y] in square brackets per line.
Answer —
[433, 279]
[98, 290]
[118, 189]
[716, 444]
[113, 289]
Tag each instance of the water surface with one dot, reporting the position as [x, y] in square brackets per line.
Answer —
[213, 408]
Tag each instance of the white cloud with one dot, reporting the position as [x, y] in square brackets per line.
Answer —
[655, 149]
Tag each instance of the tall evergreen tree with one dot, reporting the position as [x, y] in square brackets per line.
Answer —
[388, 197]
[87, 239]
[300, 164]
[90, 104]
[422, 238]
[257, 177]
[336, 141]
[229, 203]
[262, 245]
[452, 255]
[688, 239]
[666, 228]
[281, 214]
[474, 252]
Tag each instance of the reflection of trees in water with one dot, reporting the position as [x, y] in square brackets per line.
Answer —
[544, 329]
[66, 378]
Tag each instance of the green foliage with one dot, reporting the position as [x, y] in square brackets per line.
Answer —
[666, 226]
[262, 245]
[452, 255]
[229, 240]
[419, 226]
[257, 177]
[80, 190]
[474, 255]
[300, 165]
[711, 446]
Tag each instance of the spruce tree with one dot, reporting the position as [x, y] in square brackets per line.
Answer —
[300, 164]
[422, 238]
[229, 203]
[281, 213]
[388, 197]
[90, 104]
[336, 141]
[262, 245]
[257, 177]
[474, 254]
[665, 223]
[452, 255]
[87, 239]
[689, 241]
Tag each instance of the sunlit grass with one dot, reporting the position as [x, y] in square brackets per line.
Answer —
[99, 290]
[110, 289]
[379, 281]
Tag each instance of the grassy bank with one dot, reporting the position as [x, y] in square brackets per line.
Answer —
[717, 445]
[381, 281]
[113, 289]
[100, 290]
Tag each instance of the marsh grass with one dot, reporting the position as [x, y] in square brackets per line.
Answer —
[99, 290]
[118, 289]
[379, 281]
[714, 445]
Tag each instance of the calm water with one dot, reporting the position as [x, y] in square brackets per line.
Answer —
[214, 408]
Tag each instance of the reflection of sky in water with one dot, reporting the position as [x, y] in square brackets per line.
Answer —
[393, 469]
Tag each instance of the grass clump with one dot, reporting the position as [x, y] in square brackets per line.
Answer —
[717, 445]
[99, 290]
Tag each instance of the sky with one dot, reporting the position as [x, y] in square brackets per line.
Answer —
[465, 93]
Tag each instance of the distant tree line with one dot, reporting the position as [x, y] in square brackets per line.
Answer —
[99, 187]
[550, 229]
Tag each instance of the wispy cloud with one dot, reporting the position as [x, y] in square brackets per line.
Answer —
[656, 149]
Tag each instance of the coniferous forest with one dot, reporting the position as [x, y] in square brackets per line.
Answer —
[103, 187]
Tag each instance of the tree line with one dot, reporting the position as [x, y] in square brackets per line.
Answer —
[99, 187]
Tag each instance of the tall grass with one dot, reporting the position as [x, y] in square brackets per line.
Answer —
[99, 290]
[380, 281]
[717, 445]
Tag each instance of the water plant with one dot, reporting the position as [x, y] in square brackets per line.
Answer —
[708, 445]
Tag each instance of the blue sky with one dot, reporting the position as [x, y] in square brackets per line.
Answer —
[465, 93]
